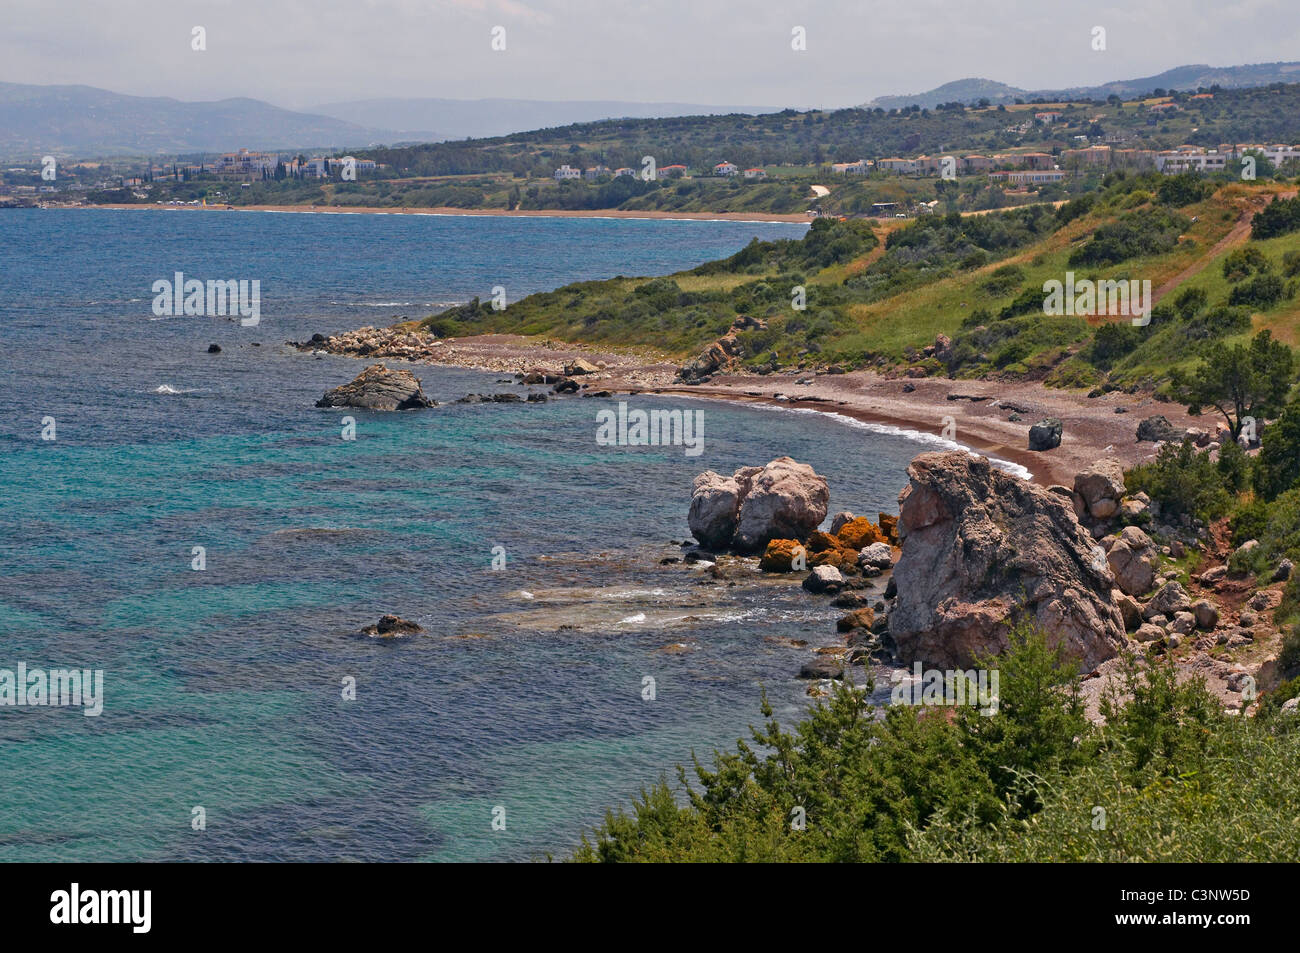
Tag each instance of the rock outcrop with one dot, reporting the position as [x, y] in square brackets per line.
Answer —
[378, 388]
[979, 547]
[721, 353]
[784, 555]
[1132, 558]
[783, 500]
[1100, 488]
[859, 533]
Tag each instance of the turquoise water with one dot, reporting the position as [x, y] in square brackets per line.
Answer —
[223, 687]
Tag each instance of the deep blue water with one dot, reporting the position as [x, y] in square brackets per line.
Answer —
[223, 687]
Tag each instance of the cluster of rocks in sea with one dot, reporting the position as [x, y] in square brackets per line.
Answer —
[379, 387]
[404, 344]
[975, 550]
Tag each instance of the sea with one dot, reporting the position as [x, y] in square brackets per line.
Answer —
[192, 528]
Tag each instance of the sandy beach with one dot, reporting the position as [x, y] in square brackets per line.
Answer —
[975, 414]
[520, 213]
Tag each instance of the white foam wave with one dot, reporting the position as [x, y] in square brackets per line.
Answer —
[918, 436]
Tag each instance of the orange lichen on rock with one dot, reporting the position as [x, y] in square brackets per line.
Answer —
[780, 555]
[889, 526]
[860, 532]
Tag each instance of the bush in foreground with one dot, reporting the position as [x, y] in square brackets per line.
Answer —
[1174, 779]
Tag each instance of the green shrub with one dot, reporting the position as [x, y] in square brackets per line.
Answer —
[1183, 481]
[1277, 218]
[1184, 189]
[1114, 341]
[1002, 281]
[1249, 521]
[1189, 301]
[1277, 468]
[1244, 262]
[1234, 466]
[1261, 292]
[1134, 234]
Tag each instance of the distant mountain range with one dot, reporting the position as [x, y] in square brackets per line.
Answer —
[1180, 77]
[83, 120]
[86, 121]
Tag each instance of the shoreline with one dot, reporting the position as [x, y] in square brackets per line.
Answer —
[991, 418]
[773, 218]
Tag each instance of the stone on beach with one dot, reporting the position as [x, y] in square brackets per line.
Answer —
[1046, 434]
[824, 579]
[1158, 429]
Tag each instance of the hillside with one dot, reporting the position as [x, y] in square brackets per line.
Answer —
[480, 118]
[880, 295]
[795, 150]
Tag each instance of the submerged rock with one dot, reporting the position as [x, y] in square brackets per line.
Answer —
[391, 627]
[978, 547]
[822, 667]
[378, 388]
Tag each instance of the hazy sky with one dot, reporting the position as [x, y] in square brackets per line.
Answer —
[299, 52]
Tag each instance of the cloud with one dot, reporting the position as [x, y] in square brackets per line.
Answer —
[299, 52]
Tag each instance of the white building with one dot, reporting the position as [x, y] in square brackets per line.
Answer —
[566, 171]
[756, 173]
[725, 168]
[1172, 163]
[244, 162]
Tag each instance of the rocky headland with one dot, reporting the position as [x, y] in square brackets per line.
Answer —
[975, 550]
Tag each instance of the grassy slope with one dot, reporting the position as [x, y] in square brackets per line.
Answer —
[612, 313]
